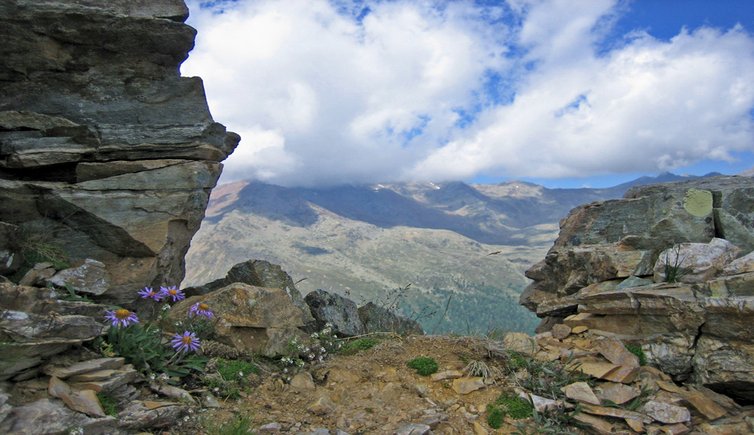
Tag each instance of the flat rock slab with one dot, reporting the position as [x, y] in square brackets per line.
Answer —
[581, 392]
[86, 367]
[617, 393]
[615, 352]
[666, 413]
[468, 385]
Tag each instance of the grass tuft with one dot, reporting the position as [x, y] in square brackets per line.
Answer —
[424, 365]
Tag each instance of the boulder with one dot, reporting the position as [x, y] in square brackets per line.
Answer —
[336, 310]
[106, 152]
[251, 319]
[608, 267]
[379, 319]
[258, 273]
[694, 262]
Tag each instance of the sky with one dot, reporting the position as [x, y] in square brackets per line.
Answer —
[565, 93]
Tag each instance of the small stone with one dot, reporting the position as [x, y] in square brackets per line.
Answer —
[596, 423]
[706, 406]
[520, 342]
[622, 374]
[210, 401]
[635, 425]
[91, 277]
[592, 368]
[670, 387]
[614, 351]
[434, 420]
[561, 331]
[579, 329]
[413, 429]
[38, 274]
[270, 427]
[479, 429]
[467, 385]
[542, 404]
[84, 401]
[322, 406]
[675, 429]
[581, 392]
[173, 393]
[617, 393]
[615, 412]
[447, 374]
[666, 413]
[303, 382]
[151, 414]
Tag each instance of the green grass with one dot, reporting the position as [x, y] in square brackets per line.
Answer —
[233, 370]
[424, 365]
[495, 416]
[358, 345]
[639, 352]
[240, 425]
[109, 405]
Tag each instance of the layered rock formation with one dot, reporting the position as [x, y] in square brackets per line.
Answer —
[105, 151]
[657, 269]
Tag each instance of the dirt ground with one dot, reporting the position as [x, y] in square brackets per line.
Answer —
[375, 392]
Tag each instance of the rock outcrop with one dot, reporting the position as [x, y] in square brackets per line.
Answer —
[659, 269]
[105, 151]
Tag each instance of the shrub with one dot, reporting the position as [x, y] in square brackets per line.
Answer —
[495, 416]
[424, 365]
[358, 345]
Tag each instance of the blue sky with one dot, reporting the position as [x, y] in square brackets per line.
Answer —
[559, 92]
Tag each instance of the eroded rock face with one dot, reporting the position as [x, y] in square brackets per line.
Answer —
[251, 319]
[667, 268]
[105, 151]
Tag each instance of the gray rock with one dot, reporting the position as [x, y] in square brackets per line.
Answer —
[633, 282]
[142, 415]
[91, 277]
[258, 273]
[47, 416]
[336, 310]
[250, 319]
[695, 262]
[413, 429]
[378, 319]
[38, 274]
[29, 338]
[113, 153]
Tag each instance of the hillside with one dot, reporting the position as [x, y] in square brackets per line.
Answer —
[369, 242]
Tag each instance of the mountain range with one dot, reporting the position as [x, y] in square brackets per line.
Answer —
[451, 255]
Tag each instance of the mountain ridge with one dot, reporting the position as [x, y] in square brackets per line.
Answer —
[369, 241]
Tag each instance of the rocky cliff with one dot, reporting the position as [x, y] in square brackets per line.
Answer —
[105, 151]
[669, 267]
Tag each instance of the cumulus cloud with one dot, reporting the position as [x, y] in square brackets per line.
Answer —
[326, 92]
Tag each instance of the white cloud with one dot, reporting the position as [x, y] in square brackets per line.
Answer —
[320, 96]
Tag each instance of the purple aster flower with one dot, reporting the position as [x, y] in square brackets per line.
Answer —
[121, 317]
[150, 293]
[186, 342]
[200, 309]
[173, 293]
